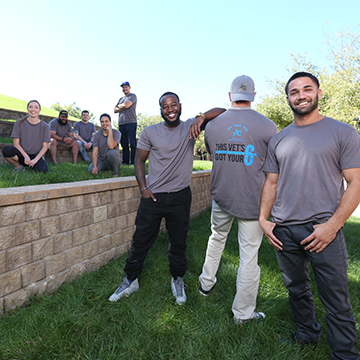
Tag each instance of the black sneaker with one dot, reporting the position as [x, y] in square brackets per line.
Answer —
[294, 339]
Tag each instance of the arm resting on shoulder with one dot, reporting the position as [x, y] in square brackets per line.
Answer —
[200, 122]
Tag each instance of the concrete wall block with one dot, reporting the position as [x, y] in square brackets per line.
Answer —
[129, 193]
[113, 210]
[127, 235]
[27, 232]
[49, 226]
[42, 248]
[58, 206]
[55, 264]
[15, 300]
[10, 215]
[124, 208]
[10, 282]
[109, 255]
[109, 226]
[62, 242]
[90, 249]
[117, 239]
[133, 205]
[37, 288]
[104, 244]
[75, 203]
[95, 231]
[131, 219]
[121, 223]
[36, 210]
[80, 236]
[69, 221]
[100, 213]
[86, 217]
[33, 273]
[18, 256]
[74, 256]
[117, 195]
[8, 239]
[105, 197]
[91, 200]
[2, 262]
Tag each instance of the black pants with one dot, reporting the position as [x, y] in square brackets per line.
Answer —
[330, 270]
[175, 208]
[10, 151]
[128, 136]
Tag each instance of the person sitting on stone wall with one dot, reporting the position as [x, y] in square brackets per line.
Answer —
[61, 133]
[106, 155]
[84, 132]
[31, 138]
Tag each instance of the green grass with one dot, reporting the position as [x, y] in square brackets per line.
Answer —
[78, 321]
[6, 140]
[8, 102]
[67, 172]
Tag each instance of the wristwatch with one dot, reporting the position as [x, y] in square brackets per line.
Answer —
[200, 114]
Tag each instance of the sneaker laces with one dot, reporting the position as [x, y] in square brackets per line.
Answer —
[179, 286]
[125, 284]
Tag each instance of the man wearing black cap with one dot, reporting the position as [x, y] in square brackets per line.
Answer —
[126, 107]
[61, 132]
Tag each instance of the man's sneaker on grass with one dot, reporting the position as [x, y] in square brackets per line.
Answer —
[178, 290]
[126, 288]
[256, 316]
[204, 292]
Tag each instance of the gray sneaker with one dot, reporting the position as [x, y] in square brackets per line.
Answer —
[256, 316]
[126, 288]
[178, 290]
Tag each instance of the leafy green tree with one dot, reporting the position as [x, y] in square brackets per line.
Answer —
[73, 110]
[340, 83]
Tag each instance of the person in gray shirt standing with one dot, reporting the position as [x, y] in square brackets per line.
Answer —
[164, 193]
[304, 191]
[126, 108]
[237, 141]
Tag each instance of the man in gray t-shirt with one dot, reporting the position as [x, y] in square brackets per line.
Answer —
[126, 108]
[237, 141]
[106, 154]
[84, 132]
[304, 192]
[61, 133]
[164, 193]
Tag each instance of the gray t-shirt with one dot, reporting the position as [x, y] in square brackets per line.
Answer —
[85, 130]
[31, 136]
[171, 156]
[100, 141]
[237, 141]
[61, 130]
[309, 160]
[128, 115]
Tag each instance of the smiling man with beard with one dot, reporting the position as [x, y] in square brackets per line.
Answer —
[164, 193]
[304, 192]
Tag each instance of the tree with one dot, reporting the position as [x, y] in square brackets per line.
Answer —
[72, 110]
[340, 83]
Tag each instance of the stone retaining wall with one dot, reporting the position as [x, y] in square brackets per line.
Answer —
[54, 233]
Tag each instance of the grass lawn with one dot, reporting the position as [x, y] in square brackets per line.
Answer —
[8, 102]
[78, 321]
[67, 172]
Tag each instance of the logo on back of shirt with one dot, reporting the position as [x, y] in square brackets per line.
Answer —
[235, 152]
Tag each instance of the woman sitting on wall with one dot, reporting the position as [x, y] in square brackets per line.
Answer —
[31, 138]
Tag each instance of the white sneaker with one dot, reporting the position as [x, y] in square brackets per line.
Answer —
[178, 290]
[126, 288]
[256, 316]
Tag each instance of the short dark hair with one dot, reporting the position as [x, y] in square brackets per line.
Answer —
[301, 74]
[168, 93]
[85, 111]
[107, 115]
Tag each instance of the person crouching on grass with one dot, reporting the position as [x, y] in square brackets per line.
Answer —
[31, 139]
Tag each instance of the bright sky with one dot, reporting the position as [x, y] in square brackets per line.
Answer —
[75, 50]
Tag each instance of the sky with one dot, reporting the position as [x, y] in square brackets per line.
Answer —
[75, 50]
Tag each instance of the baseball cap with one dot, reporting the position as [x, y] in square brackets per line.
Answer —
[242, 88]
[63, 112]
[125, 83]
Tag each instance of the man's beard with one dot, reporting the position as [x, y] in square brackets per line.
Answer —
[309, 109]
[61, 122]
[172, 123]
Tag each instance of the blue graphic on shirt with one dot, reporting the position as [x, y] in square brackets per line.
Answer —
[237, 131]
[247, 156]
